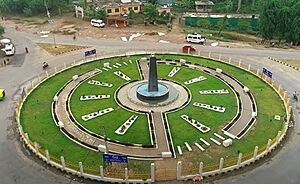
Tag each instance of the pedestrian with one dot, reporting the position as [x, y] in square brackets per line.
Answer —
[26, 50]
[74, 37]
[17, 28]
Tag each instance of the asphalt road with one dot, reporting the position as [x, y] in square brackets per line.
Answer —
[18, 166]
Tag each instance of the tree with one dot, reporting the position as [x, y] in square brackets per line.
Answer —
[1, 30]
[186, 5]
[204, 23]
[150, 13]
[222, 24]
[152, 1]
[100, 14]
[243, 25]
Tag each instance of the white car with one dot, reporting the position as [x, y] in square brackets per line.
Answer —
[97, 23]
[9, 49]
[195, 38]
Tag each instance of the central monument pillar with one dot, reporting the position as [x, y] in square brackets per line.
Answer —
[152, 80]
[152, 91]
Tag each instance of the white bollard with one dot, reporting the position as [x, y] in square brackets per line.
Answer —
[199, 53]
[62, 161]
[257, 72]
[279, 88]
[80, 168]
[26, 137]
[47, 156]
[229, 61]
[36, 148]
[239, 159]
[126, 174]
[101, 171]
[249, 67]
[269, 144]
[278, 136]
[189, 50]
[284, 94]
[240, 61]
[55, 69]
[209, 54]
[220, 56]
[152, 172]
[201, 168]
[221, 164]
[65, 65]
[47, 74]
[255, 152]
[179, 164]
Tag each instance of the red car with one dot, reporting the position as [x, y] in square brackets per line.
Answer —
[187, 48]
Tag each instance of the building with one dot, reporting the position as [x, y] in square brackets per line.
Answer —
[119, 7]
[166, 2]
[204, 6]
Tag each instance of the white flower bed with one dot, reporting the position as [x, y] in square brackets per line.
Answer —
[98, 83]
[93, 97]
[173, 71]
[197, 79]
[96, 114]
[209, 107]
[202, 128]
[123, 128]
[122, 75]
[209, 92]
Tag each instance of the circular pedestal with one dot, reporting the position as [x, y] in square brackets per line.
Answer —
[152, 96]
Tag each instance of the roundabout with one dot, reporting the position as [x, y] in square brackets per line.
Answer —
[206, 110]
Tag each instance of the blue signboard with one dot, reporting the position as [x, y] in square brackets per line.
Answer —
[115, 158]
[267, 72]
[89, 52]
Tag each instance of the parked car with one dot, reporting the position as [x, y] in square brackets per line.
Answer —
[2, 94]
[97, 23]
[9, 49]
[188, 48]
[196, 38]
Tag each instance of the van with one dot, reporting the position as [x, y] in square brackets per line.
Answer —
[9, 49]
[195, 38]
[97, 23]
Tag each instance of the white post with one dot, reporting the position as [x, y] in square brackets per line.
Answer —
[284, 94]
[279, 88]
[257, 72]
[179, 170]
[199, 53]
[209, 54]
[26, 137]
[101, 171]
[249, 67]
[278, 136]
[152, 172]
[55, 69]
[255, 152]
[65, 66]
[62, 160]
[240, 61]
[47, 73]
[36, 147]
[201, 168]
[239, 159]
[80, 168]
[286, 126]
[188, 50]
[126, 174]
[74, 62]
[221, 164]
[32, 84]
[220, 55]
[269, 144]
[47, 156]
[229, 61]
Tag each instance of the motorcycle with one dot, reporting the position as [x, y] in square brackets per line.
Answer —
[45, 65]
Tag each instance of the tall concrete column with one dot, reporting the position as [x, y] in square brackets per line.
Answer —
[255, 152]
[221, 164]
[179, 165]
[239, 159]
[152, 172]
[62, 161]
[152, 80]
[201, 168]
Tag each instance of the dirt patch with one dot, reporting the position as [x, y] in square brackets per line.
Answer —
[295, 63]
[60, 49]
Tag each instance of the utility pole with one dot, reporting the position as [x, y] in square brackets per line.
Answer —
[50, 22]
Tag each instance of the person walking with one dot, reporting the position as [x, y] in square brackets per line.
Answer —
[26, 50]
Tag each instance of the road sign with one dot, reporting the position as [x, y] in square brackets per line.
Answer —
[89, 52]
[267, 72]
[115, 158]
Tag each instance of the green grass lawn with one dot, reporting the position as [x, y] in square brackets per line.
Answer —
[37, 121]
[138, 133]
[212, 119]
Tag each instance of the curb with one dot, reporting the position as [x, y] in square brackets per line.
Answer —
[283, 63]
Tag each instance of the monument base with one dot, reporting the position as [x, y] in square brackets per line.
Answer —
[144, 94]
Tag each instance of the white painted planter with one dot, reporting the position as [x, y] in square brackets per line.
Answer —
[213, 92]
[125, 126]
[209, 107]
[98, 83]
[93, 97]
[202, 128]
[174, 71]
[198, 79]
[96, 114]
[122, 75]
